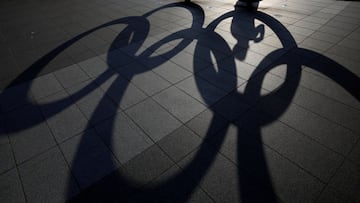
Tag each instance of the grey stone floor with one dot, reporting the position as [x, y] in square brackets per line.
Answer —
[162, 101]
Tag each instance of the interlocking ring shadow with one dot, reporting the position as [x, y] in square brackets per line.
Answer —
[254, 178]
[253, 187]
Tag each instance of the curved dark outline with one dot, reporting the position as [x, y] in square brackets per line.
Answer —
[205, 156]
[138, 38]
[41, 63]
[250, 192]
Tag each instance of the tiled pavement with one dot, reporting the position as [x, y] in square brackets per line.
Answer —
[161, 101]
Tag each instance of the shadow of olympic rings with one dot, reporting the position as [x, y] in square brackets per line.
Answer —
[253, 188]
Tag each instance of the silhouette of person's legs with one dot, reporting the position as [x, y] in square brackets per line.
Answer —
[249, 4]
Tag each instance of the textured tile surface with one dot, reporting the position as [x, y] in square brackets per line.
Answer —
[91, 159]
[170, 102]
[11, 190]
[153, 119]
[71, 75]
[48, 178]
[181, 105]
[28, 134]
[123, 137]
[179, 143]
[63, 117]
[148, 166]
[7, 158]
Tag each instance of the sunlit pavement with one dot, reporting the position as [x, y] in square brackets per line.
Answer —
[166, 101]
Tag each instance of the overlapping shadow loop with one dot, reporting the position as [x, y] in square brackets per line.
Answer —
[174, 188]
[120, 187]
[253, 188]
[134, 34]
[255, 183]
[256, 187]
[116, 187]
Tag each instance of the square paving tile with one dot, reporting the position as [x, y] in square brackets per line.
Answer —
[130, 70]
[75, 49]
[221, 79]
[15, 97]
[231, 106]
[47, 178]
[255, 59]
[144, 79]
[31, 142]
[11, 190]
[179, 103]
[272, 41]
[300, 30]
[171, 72]
[30, 116]
[147, 166]
[209, 45]
[92, 40]
[272, 80]
[239, 68]
[89, 158]
[201, 90]
[179, 143]
[219, 180]
[28, 133]
[312, 43]
[289, 181]
[344, 187]
[122, 92]
[94, 66]
[250, 92]
[162, 189]
[322, 130]
[333, 195]
[96, 106]
[123, 137]
[235, 145]
[116, 58]
[207, 123]
[63, 116]
[328, 37]
[79, 57]
[326, 107]
[44, 86]
[308, 25]
[155, 120]
[6, 158]
[106, 34]
[71, 75]
[346, 52]
[348, 42]
[334, 31]
[310, 155]
[261, 163]
[188, 62]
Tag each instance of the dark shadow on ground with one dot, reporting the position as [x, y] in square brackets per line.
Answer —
[254, 180]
